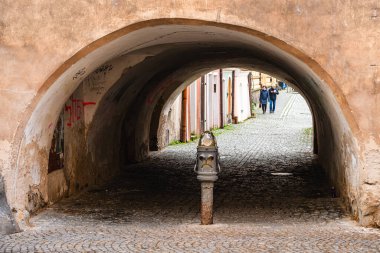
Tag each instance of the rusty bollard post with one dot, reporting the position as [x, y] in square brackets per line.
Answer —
[207, 167]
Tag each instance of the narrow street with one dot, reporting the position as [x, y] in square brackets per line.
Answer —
[270, 197]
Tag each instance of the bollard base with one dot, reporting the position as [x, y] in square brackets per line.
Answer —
[207, 203]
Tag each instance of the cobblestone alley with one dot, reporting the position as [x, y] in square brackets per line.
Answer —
[269, 198]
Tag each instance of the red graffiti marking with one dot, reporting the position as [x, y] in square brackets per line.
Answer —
[88, 103]
[75, 109]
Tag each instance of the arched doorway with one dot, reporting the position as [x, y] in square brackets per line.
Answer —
[140, 68]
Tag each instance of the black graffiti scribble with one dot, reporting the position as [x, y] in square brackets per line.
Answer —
[104, 68]
[96, 81]
[80, 73]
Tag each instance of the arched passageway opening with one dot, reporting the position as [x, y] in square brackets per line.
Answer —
[213, 100]
[122, 82]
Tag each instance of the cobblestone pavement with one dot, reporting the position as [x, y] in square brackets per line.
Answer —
[154, 206]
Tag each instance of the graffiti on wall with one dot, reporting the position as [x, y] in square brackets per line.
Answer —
[96, 82]
[79, 74]
[75, 109]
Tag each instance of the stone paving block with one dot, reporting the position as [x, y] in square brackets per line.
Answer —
[270, 197]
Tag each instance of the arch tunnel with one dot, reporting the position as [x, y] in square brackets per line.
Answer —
[126, 80]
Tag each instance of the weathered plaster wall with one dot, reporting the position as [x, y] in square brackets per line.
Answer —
[169, 124]
[7, 222]
[57, 186]
[39, 67]
[173, 121]
[75, 142]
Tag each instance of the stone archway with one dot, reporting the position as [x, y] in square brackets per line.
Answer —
[147, 68]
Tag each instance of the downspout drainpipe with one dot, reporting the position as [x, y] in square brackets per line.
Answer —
[203, 85]
[221, 120]
[198, 103]
[233, 96]
[188, 128]
[183, 137]
[250, 92]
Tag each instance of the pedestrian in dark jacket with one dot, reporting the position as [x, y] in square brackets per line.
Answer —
[273, 92]
[264, 94]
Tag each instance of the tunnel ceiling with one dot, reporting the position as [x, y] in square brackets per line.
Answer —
[165, 69]
[184, 61]
[195, 58]
[173, 46]
[172, 56]
[195, 50]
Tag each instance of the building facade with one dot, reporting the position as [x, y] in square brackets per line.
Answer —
[230, 96]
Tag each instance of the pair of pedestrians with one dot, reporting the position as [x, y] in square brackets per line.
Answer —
[270, 94]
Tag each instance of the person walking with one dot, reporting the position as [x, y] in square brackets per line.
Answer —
[273, 92]
[264, 94]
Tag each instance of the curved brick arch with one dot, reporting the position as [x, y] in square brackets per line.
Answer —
[35, 136]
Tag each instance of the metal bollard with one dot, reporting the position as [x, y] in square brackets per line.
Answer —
[207, 167]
